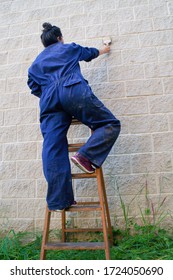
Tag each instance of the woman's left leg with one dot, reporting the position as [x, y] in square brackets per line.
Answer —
[56, 165]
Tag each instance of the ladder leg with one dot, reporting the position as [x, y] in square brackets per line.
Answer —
[106, 208]
[103, 216]
[45, 233]
[63, 225]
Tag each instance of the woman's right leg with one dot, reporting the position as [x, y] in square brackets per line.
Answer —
[79, 101]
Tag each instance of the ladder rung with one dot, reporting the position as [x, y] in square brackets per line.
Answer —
[75, 121]
[83, 175]
[82, 206]
[75, 246]
[88, 203]
[78, 208]
[83, 230]
[74, 147]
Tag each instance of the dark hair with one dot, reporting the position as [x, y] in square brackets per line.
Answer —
[50, 34]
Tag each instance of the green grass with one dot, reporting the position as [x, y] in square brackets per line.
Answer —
[146, 243]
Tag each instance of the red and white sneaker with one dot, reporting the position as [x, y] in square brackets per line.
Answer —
[83, 163]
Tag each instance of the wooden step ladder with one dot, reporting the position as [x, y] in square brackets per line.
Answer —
[101, 206]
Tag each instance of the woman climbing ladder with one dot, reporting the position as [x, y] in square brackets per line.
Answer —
[55, 78]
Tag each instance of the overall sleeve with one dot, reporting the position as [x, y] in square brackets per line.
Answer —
[35, 88]
[85, 53]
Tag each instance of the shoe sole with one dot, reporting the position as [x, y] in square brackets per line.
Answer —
[78, 164]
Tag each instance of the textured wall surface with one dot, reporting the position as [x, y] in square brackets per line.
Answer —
[135, 81]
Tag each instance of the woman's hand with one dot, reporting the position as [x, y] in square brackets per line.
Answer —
[105, 49]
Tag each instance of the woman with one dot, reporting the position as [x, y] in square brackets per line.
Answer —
[55, 78]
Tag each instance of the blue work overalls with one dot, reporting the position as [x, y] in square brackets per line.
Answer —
[56, 78]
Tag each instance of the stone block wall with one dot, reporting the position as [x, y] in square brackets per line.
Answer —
[135, 81]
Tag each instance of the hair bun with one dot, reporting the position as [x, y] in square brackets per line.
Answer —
[47, 26]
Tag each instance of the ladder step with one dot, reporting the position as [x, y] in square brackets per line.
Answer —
[83, 230]
[74, 147]
[75, 246]
[83, 175]
[75, 121]
[78, 208]
[82, 206]
[88, 203]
